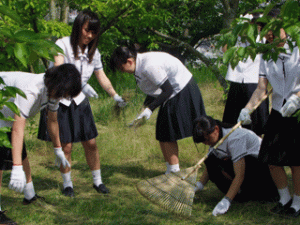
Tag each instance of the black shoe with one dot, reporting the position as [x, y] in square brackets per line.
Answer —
[291, 213]
[68, 191]
[5, 220]
[279, 208]
[101, 189]
[27, 202]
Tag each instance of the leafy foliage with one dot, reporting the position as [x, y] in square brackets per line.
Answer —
[248, 32]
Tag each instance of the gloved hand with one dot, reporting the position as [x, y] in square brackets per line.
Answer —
[89, 91]
[17, 179]
[146, 113]
[199, 186]
[291, 105]
[222, 207]
[60, 158]
[245, 116]
[120, 101]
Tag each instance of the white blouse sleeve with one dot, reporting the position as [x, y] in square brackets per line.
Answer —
[97, 61]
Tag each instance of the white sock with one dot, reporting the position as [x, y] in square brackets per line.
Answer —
[284, 194]
[97, 177]
[168, 168]
[174, 168]
[296, 202]
[67, 179]
[29, 192]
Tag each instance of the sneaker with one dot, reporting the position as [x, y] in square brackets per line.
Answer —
[101, 189]
[68, 191]
[5, 220]
[279, 208]
[27, 202]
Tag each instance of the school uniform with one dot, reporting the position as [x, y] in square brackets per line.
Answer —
[75, 118]
[281, 142]
[243, 82]
[176, 114]
[37, 98]
[241, 143]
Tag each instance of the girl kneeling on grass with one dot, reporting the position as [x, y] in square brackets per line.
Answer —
[233, 166]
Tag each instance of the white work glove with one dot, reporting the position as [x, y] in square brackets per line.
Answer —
[222, 207]
[60, 158]
[120, 101]
[245, 116]
[291, 105]
[89, 91]
[199, 186]
[146, 113]
[17, 179]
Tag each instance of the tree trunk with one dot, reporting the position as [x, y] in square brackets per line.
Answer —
[64, 16]
[52, 9]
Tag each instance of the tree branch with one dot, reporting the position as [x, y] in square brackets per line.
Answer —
[204, 59]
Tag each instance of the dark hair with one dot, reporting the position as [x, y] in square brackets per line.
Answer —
[93, 24]
[63, 81]
[203, 125]
[120, 56]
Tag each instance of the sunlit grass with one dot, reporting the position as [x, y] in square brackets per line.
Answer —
[128, 155]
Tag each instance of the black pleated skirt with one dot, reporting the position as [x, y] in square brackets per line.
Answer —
[6, 162]
[76, 123]
[238, 96]
[175, 118]
[281, 143]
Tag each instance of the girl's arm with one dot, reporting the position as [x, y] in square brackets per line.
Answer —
[239, 171]
[17, 138]
[105, 82]
[53, 128]
[59, 60]
[204, 178]
[259, 93]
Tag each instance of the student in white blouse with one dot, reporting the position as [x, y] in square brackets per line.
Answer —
[75, 116]
[243, 82]
[280, 146]
[42, 91]
[233, 166]
[168, 85]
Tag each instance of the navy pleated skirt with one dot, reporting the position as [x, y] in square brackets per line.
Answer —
[6, 162]
[175, 118]
[238, 96]
[281, 142]
[76, 123]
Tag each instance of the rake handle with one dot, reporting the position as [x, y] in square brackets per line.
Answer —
[198, 164]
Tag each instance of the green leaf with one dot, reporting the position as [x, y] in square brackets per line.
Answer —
[8, 12]
[241, 52]
[228, 54]
[21, 52]
[13, 91]
[12, 107]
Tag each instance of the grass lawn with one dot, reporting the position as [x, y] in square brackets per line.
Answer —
[127, 156]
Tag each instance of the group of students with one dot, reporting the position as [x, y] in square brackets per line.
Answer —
[244, 167]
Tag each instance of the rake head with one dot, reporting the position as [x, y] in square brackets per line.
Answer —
[170, 192]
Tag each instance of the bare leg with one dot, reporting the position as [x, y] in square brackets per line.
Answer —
[170, 152]
[296, 179]
[27, 170]
[1, 173]
[91, 154]
[279, 176]
[67, 148]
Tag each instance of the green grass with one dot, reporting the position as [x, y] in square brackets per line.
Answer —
[127, 156]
